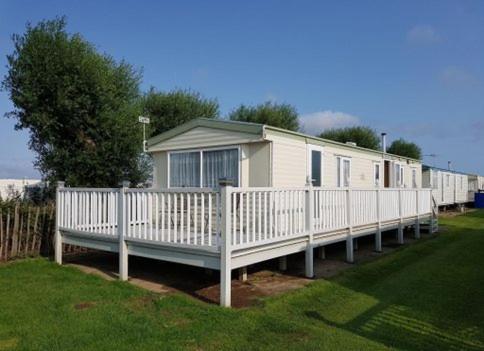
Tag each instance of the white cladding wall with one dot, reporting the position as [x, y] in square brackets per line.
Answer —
[288, 161]
[480, 182]
[290, 164]
[281, 160]
[450, 188]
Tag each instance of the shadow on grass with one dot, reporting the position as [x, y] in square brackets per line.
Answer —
[427, 297]
[389, 324]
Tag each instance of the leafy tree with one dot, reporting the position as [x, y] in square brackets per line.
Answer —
[79, 106]
[405, 148]
[362, 136]
[277, 115]
[168, 110]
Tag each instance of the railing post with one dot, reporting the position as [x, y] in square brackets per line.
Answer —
[349, 238]
[225, 244]
[378, 216]
[58, 210]
[417, 220]
[122, 222]
[400, 214]
[309, 271]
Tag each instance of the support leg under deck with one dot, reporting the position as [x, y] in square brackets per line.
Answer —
[378, 247]
[349, 250]
[309, 262]
[283, 263]
[123, 260]
[417, 228]
[400, 234]
[243, 274]
[58, 247]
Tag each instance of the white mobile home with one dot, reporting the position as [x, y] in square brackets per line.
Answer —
[198, 153]
[283, 192]
[448, 187]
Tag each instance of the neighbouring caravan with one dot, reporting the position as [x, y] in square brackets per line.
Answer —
[448, 187]
[473, 186]
[480, 183]
[200, 152]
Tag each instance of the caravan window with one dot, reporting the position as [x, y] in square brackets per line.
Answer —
[377, 175]
[315, 165]
[398, 175]
[414, 178]
[203, 168]
[344, 172]
[185, 169]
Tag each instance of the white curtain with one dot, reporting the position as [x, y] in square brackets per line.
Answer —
[220, 164]
[185, 169]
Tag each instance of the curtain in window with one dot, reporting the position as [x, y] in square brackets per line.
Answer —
[220, 164]
[185, 169]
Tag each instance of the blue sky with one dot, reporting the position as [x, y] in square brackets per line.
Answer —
[411, 68]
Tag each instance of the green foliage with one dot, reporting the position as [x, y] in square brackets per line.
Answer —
[362, 136]
[79, 106]
[169, 110]
[405, 148]
[273, 114]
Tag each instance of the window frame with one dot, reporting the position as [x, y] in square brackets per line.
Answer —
[339, 175]
[309, 169]
[375, 165]
[201, 151]
[414, 178]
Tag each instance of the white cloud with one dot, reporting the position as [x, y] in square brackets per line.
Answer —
[455, 76]
[423, 34]
[316, 122]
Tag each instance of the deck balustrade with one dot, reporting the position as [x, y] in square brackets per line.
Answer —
[230, 227]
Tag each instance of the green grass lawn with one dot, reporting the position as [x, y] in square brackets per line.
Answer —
[428, 296]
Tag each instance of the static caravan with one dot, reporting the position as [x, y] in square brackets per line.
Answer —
[473, 181]
[448, 187]
[480, 183]
[200, 152]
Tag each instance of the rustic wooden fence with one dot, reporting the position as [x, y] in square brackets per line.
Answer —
[27, 230]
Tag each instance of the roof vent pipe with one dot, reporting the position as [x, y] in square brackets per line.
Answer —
[384, 142]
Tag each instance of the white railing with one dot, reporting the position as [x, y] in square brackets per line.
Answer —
[88, 210]
[261, 215]
[256, 216]
[330, 209]
[188, 216]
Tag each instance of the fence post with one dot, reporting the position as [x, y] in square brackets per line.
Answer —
[417, 220]
[378, 217]
[58, 237]
[349, 238]
[309, 264]
[122, 222]
[400, 214]
[225, 244]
